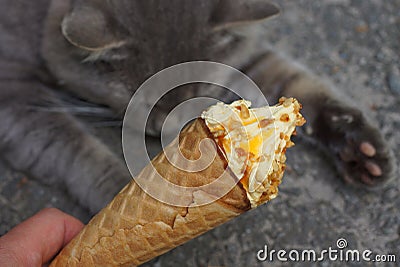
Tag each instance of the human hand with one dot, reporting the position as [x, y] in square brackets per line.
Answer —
[37, 240]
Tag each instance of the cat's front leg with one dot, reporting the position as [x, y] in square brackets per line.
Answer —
[358, 148]
[54, 148]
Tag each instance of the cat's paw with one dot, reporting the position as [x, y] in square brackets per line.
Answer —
[360, 152]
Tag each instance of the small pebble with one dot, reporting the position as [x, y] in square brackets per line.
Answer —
[394, 82]
[362, 28]
[367, 149]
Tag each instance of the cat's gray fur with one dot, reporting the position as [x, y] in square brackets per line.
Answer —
[52, 51]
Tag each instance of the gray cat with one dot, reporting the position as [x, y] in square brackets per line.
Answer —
[64, 62]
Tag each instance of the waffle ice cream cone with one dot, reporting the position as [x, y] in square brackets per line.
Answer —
[135, 227]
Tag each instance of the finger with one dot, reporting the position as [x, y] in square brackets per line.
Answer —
[38, 239]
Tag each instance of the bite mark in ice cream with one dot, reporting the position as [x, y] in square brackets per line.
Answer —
[254, 142]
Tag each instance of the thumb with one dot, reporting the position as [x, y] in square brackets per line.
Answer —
[37, 240]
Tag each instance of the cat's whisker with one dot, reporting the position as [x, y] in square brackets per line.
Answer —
[104, 124]
[80, 111]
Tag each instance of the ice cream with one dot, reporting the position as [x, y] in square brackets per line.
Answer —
[136, 227]
[247, 137]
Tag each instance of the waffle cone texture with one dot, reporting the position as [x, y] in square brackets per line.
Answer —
[135, 227]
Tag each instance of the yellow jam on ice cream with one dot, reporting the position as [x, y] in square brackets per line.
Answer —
[254, 142]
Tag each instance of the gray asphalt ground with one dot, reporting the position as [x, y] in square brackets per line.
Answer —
[353, 43]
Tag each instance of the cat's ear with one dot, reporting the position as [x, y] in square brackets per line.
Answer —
[229, 13]
[89, 27]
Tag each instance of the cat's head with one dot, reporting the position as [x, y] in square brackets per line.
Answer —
[129, 40]
[153, 34]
